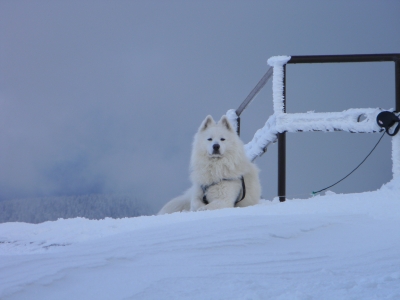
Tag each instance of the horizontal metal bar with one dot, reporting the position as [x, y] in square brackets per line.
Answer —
[360, 120]
[344, 58]
[255, 91]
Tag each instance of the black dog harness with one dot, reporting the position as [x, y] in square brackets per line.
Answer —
[238, 199]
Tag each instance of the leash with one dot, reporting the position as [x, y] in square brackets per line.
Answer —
[386, 120]
[206, 187]
[317, 192]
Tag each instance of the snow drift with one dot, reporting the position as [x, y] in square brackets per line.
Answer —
[326, 247]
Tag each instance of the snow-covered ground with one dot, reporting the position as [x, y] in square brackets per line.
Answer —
[326, 247]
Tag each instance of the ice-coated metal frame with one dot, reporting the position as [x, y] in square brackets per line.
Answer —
[312, 59]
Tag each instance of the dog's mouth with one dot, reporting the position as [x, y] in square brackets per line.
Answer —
[216, 154]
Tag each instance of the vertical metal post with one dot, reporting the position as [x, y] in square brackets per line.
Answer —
[282, 150]
[396, 139]
[238, 126]
[397, 84]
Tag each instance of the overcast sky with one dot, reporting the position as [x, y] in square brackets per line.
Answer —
[105, 96]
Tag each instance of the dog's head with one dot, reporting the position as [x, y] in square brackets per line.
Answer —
[215, 136]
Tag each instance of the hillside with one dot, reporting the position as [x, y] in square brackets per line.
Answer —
[93, 206]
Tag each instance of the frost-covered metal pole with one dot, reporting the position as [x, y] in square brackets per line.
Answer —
[282, 150]
[397, 78]
[278, 95]
[396, 138]
[251, 96]
[255, 91]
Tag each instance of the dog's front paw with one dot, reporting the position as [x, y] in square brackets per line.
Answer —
[216, 204]
[202, 208]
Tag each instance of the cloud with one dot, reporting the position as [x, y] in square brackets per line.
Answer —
[105, 97]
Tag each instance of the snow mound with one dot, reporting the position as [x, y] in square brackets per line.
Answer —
[337, 246]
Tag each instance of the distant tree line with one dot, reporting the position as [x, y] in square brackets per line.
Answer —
[38, 210]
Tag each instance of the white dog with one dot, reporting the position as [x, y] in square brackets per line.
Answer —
[221, 174]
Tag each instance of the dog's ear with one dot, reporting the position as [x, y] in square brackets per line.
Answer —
[224, 121]
[206, 123]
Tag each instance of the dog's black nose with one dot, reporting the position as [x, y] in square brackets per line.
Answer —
[216, 146]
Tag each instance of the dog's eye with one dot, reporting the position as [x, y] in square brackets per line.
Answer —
[222, 139]
[210, 139]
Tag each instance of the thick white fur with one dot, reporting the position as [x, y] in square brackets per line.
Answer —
[209, 165]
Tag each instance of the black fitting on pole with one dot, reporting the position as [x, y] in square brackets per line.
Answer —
[388, 119]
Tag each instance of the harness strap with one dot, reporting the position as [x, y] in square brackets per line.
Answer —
[243, 192]
[238, 199]
[396, 130]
